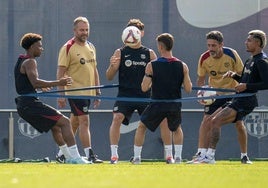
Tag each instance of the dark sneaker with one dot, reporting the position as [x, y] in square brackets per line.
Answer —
[60, 159]
[94, 158]
[245, 160]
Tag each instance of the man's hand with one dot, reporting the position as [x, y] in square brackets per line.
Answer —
[61, 102]
[240, 87]
[229, 74]
[65, 81]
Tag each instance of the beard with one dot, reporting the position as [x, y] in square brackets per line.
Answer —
[82, 38]
[213, 53]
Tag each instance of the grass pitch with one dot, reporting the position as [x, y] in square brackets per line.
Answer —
[147, 174]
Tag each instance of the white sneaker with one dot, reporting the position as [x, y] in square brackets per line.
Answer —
[114, 160]
[136, 160]
[178, 160]
[196, 159]
[207, 160]
[170, 160]
[79, 160]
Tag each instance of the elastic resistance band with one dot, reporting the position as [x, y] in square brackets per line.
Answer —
[130, 99]
[83, 88]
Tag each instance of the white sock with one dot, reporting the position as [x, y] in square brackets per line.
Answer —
[86, 150]
[114, 150]
[243, 154]
[211, 153]
[168, 150]
[178, 151]
[74, 151]
[60, 152]
[65, 151]
[137, 151]
[203, 151]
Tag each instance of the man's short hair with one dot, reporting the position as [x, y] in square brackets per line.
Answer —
[215, 35]
[167, 40]
[80, 19]
[259, 35]
[137, 23]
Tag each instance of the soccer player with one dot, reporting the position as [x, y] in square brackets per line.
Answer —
[253, 78]
[165, 76]
[214, 63]
[42, 116]
[130, 78]
[77, 58]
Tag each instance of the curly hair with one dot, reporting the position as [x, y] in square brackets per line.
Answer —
[28, 39]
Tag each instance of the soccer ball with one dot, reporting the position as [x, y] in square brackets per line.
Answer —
[131, 36]
[206, 93]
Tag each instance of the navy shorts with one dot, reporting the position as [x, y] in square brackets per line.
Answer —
[243, 106]
[156, 112]
[40, 115]
[210, 109]
[127, 108]
[79, 106]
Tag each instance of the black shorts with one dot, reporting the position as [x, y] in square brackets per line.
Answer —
[154, 114]
[243, 106]
[41, 116]
[210, 109]
[127, 108]
[79, 106]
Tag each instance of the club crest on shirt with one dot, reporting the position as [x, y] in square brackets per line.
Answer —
[82, 61]
[26, 129]
[143, 56]
[128, 63]
[226, 64]
[213, 73]
[257, 124]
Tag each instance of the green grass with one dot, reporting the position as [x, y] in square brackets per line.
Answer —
[148, 174]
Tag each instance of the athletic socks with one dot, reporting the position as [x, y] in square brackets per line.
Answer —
[86, 150]
[211, 153]
[168, 151]
[243, 154]
[137, 151]
[178, 151]
[74, 151]
[64, 150]
[202, 151]
[114, 151]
